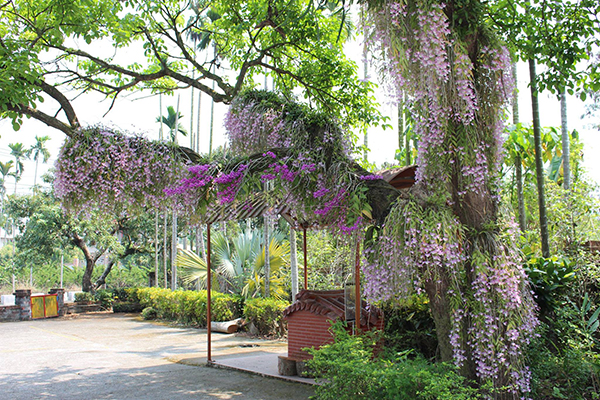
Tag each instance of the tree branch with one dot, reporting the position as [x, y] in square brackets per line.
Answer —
[45, 118]
[65, 104]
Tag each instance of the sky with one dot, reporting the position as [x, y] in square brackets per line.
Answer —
[137, 113]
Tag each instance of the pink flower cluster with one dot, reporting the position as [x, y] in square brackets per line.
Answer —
[228, 184]
[302, 176]
[448, 95]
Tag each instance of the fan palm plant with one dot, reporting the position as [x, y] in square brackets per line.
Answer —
[192, 267]
[241, 263]
[279, 258]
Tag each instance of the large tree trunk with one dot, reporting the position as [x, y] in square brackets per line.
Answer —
[102, 279]
[90, 262]
[111, 262]
[539, 167]
[441, 312]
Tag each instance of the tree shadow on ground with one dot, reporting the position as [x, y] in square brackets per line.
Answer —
[165, 381]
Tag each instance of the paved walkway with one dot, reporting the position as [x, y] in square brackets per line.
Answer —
[112, 356]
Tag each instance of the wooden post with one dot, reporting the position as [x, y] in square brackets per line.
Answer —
[305, 260]
[357, 302]
[208, 297]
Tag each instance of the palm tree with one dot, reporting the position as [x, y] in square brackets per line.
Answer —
[18, 151]
[37, 150]
[278, 253]
[172, 122]
[5, 168]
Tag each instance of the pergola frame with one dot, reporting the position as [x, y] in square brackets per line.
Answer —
[398, 178]
[357, 306]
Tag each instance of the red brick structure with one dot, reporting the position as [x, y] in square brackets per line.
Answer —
[309, 319]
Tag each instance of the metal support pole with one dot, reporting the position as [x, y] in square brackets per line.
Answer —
[208, 296]
[357, 302]
[62, 267]
[293, 263]
[305, 260]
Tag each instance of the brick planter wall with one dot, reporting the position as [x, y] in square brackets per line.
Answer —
[75, 308]
[23, 301]
[309, 319]
[307, 330]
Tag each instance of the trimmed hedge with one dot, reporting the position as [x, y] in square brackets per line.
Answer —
[126, 294]
[126, 307]
[189, 307]
[267, 316]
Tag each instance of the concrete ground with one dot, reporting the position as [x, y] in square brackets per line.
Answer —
[113, 356]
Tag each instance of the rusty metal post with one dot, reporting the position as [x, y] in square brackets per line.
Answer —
[305, 260]
[357, 302]
[208, 296]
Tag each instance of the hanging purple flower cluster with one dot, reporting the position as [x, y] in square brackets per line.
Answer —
[456, 91]
[418, 246]
[251, 130]
[194, 192]
[229, 184]
[101, 169]
[413, 246]
[304, 175]
[418, 54]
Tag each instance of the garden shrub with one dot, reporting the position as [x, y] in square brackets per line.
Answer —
[126, 294]
[84, 297]
[188, 306]
[267, 316]
[409, 325]
[148, 313]
[549, 278]
[564, 356]
[347, 369]
[104, 298]
[126, 307]
[562, 366]
[125, 300]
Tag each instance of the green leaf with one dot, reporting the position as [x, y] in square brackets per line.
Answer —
[554, 168]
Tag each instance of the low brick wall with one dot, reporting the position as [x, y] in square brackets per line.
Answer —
[21, 311]
[10, 313]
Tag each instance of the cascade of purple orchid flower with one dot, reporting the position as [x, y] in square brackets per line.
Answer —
[457, 110]
[101, 169]
[111, 171]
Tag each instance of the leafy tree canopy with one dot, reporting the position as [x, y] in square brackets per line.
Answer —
[558, 34]
[53, 46]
